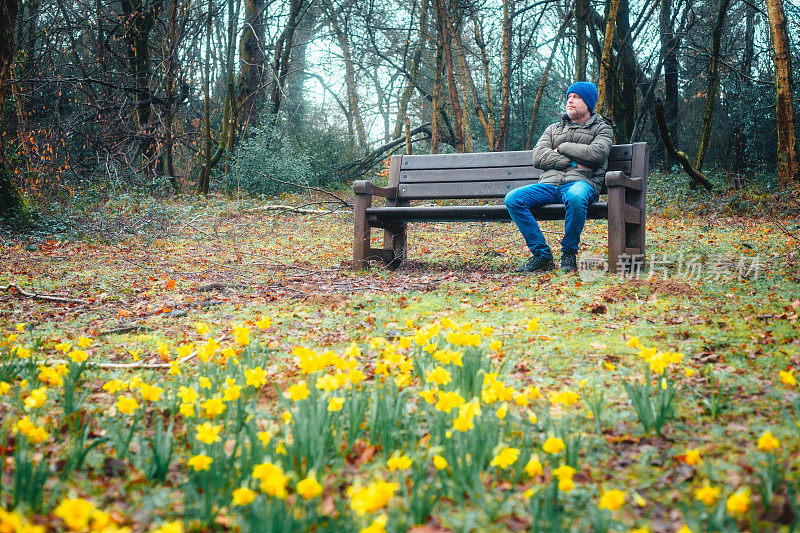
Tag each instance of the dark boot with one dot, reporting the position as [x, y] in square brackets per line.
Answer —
[541, 263]
[569, 262]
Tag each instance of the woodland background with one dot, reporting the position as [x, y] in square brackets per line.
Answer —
[103, 97]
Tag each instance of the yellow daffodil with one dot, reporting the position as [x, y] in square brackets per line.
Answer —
[612, 500]
[309, 488]
[505, 457]
[78, 356]
[170, 527]
[335, 404]
[438, 376]
[85, 342]
[75, 513]
[706, 494]
[127, 405]
[36, 398]
[787, 378]
[187, 395]
[231, 393]
[255, 377]
[243, 496]
[553, 445]
[213, 407]
[533, 467]
[401, 462]
[298, 391]
[692, 457]
[207, 434]
[463, 424]
[200, 462]
[273, 480]
[114, 386]
[372, 497]
[264, 322]
[738, 502]
[767, 442]
[439, 462]
[151, 393]
[502, 411]
[376, 526]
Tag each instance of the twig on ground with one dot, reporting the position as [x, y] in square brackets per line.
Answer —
[38, 296]
[309, 187]
[293, 210]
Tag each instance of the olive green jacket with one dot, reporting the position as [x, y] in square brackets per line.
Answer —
[587, 144]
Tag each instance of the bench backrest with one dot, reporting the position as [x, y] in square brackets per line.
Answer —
[476, 175]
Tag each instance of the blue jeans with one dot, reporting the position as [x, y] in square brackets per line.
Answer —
[576, 196]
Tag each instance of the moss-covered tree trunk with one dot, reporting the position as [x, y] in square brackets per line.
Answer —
[414, 71]
[443, 23]
[605, 59]
[12, 205]
[788, 165]
[713, 86]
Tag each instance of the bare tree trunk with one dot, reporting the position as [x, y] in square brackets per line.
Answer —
[283, 54]
[669, 45]
[749, 40]
[468, 82]
[414, 71]
[605, 59]
[505, 77]
[788, 166]
[168, 120]
[486, 119]
[713, 84]
[695, 175]
[139, 21]
[350, 76]
[252, 62]
[205, 172]
[543, 81]
[458, 116]
[625, 97]
[12, 205]
[437, 87]
[581, 55]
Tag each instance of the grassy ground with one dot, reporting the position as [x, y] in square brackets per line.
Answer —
[140, 273]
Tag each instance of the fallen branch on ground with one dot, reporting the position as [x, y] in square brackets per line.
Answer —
[38, 296]
[299, 210]
[309, 187]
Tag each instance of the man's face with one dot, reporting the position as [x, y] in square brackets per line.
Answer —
[577, 108]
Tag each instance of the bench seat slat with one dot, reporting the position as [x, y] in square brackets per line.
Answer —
[458, 190]
[462, 161]
[468, 175]
[487, 174]
[476, 213]
[619, 152]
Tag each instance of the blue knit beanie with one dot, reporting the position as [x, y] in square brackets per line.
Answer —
[587, 91]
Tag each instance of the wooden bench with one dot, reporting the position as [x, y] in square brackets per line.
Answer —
[490, 176]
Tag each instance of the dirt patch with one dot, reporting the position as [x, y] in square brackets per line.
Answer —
[638, 288]
[324, 299]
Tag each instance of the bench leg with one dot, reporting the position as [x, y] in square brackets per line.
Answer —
[395, 239]
[616, 226]
[361, 234]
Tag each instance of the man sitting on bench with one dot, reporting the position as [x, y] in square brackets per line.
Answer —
[573, 155]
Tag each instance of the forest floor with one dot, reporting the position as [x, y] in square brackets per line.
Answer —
[181, 304]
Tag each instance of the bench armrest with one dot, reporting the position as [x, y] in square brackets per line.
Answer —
[367, 187]
[617, 178]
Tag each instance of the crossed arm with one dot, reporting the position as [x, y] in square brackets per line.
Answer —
[587, 156]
